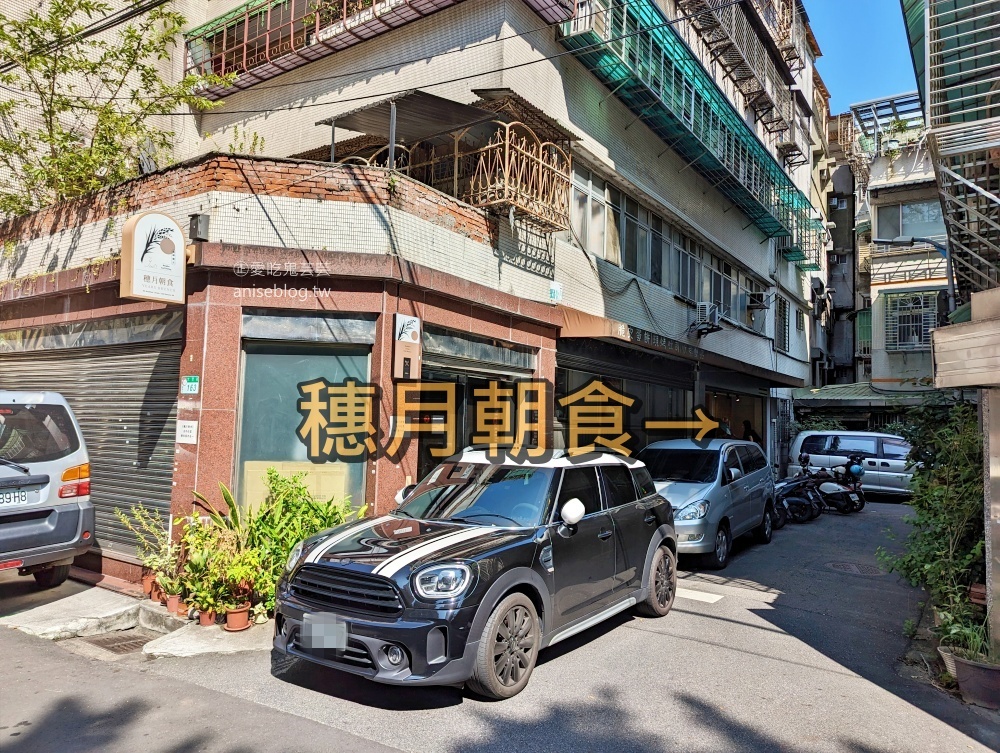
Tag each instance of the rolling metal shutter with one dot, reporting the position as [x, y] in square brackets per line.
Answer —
[125, 398]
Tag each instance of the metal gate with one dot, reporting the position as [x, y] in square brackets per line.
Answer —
[125, 398]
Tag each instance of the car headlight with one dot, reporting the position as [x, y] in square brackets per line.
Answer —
[442, 581]
[694, 511]
[293, 557]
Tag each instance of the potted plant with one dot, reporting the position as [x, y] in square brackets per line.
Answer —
[977, 666]
[157, 553]
[241, 570]
[171, 586]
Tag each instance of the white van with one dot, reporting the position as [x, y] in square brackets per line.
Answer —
[886, 468]
[46, 517]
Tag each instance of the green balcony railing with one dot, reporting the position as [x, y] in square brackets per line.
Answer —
[631, 48]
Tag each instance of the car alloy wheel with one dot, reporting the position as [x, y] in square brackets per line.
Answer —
[663, 582]
[513, 645]
[721, 545]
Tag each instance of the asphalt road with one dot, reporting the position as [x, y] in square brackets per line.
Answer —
[794, 647]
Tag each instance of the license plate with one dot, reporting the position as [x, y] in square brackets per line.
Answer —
[854, 497]
[324, 632]
[15, 497]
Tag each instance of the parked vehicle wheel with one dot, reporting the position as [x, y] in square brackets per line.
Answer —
[779, 516]
[51, 577]
[763, 532]
[719, 558]
[662, 584]
[860, 504]
[801, 511]
[508, 649]
[816, 509]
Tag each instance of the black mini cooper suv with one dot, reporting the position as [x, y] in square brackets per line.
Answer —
[482, 565]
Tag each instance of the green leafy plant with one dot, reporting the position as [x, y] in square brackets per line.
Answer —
[944, 549]
[97, 103]
[909, 628]
[813, 422]
[154, 548]
[246, 550]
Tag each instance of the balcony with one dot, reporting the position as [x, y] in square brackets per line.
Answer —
[632, 49]
[894, 264]
[466, 151]
[265, 38]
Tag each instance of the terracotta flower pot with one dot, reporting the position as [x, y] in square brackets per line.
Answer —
[172, 602]
[977, 593]
[239, 618]
[182, 609]
[147, 583]
[978, 682]
[206, 618]
[156, 593]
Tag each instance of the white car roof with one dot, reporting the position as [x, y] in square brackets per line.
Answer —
[839, 433]
[25, 397]
[556, 459]
[690, 444]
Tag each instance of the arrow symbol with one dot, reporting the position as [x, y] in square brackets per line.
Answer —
[703, 423]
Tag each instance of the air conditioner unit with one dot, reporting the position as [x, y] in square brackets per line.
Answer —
[707, 313]
[757, 301]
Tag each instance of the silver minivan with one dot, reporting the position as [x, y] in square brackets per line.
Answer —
[886, 467]
[719, 489]
[46, 517]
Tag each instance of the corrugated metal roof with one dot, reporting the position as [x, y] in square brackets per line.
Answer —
[862, 393]
[419, 115]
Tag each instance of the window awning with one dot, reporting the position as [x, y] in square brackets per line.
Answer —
[419, 115]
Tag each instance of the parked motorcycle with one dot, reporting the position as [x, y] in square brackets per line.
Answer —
[779, 514]
[840, 490]
[794, 494]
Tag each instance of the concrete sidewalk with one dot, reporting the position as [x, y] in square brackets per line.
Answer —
[89, 612]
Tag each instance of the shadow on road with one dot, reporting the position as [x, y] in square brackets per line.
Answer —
[344, 685]
[832, 595]
[18, 593]
[69, 726]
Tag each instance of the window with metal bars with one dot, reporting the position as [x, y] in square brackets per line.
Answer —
[909, 318]
[781, 324]
[800, 320]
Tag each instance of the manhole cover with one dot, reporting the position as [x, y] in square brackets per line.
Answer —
[122, 642]
[854, 568]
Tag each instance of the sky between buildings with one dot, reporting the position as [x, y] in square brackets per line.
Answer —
[865, 52]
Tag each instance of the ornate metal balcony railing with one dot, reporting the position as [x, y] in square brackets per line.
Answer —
[630, 46]
[501, 166]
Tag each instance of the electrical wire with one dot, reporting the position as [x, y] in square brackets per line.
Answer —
[101, 25]
[444, 82]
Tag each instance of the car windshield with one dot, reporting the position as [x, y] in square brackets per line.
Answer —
[36, 433]
[496, 495]
[693, 466]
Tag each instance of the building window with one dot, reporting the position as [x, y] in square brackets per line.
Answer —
[918, 219]
[909, 319]
[589, 211]
[800, 320]
[781, 324]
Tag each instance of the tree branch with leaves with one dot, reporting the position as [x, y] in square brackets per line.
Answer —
[77, 112]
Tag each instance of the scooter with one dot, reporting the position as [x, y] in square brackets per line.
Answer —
[840, 490]
[794, 494]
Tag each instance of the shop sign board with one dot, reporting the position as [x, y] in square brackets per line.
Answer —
[153, 259]
[407, 348]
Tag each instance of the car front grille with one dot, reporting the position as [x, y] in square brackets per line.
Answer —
[343, 589]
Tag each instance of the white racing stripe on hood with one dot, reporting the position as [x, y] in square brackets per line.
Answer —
[324, 546]
[394, 564]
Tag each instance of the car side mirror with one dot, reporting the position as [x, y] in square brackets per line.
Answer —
[403, 493]
[572, 512]
[734, 474]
